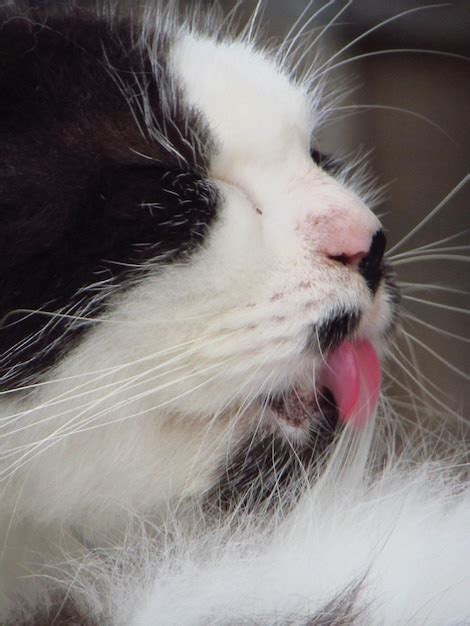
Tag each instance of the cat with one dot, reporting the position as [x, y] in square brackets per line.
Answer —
[195, 302]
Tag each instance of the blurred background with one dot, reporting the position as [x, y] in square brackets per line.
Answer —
[414, 114]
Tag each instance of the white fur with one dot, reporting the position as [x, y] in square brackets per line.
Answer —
[402, 538]
[406, 538]
[145, 408]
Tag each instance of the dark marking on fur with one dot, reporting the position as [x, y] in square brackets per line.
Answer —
[371, 265]
[60, 609]
[93, 194]
[333, 331]
[330, 164]
[268, 470]
[342, 610]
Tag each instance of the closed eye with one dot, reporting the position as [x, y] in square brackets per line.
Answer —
[327, 162]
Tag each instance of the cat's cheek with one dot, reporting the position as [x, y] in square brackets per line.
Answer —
[234, 255]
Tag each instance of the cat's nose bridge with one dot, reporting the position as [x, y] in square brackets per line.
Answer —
[334, 220]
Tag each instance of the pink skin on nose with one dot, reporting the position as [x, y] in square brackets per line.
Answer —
[342, 233]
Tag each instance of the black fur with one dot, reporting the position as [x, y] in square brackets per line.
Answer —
[371, 265]
[268, 469]
[330, 164]
[91, 195]
[343, 610]
[333, 331]
[60, 611]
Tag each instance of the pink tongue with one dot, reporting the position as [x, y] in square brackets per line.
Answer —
[352, 374]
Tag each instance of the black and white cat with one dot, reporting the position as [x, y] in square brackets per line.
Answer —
[193, 306]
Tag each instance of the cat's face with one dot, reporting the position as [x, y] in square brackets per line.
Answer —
[203, 258]
[280, 278]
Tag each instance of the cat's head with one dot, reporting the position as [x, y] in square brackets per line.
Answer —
[204, 259]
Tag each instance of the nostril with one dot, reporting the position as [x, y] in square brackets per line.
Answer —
[370, 265]
[356, 259]
[352, 260]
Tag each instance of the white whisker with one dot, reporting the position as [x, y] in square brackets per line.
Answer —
[433, 257]
[436, 355]
[438, 305]
[381, 24]
[437, 329]
[407, 286]
[283, 53]
[396, 109]
[431, 214]
[65, 396]
[428, 249]
[433, 397]
[321, 33]
[39, 448]
[375, 53]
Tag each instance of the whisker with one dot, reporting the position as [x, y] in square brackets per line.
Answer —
[285, 53]
[433, 257]
[248, 401]
[120, 386]
[376, 53]
[424, 405]
[428, 250]
[430, 287]
[106, 370]
[65, 396]
[249, 32]
[320, 34]
[128, 384]
[396, 109]
[445, 239]
[424, 389]
[437, 329]
[431, 251]
[55, 437]
[255, 395]
[393, 18]
[226, 25]
[414, 364]
[438, 305]
[12, 516]
[432, 213]
[436, 355]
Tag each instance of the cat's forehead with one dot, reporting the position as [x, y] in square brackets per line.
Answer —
[251, 104]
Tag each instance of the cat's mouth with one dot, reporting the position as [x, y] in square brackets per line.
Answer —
[348, 383]
[298, 407]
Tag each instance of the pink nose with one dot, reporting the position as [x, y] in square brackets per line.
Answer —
[345, 239]
[353, 260]
[345, 232]
[369, 263]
